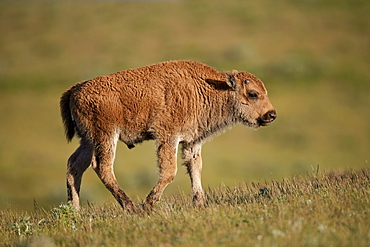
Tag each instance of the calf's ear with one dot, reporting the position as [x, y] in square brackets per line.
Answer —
[231, 82]
[228, 84]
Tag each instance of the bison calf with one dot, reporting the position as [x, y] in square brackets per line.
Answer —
[171, 102]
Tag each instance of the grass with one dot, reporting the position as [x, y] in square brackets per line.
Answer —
[317, 209]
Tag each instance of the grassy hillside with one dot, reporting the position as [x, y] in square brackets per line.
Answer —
[330, 209]
[312, 55]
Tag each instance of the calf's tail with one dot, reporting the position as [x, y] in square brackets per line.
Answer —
[65, 111]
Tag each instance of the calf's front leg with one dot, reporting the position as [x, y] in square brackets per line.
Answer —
[193, 162]
[167, 163]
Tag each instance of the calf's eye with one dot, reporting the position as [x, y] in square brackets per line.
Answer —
[247, 81]
[252, 95]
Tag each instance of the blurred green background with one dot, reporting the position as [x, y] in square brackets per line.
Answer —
[313, 56]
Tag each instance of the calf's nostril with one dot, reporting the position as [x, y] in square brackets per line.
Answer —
[271, 115]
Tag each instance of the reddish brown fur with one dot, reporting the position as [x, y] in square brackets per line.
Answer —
[172, 102]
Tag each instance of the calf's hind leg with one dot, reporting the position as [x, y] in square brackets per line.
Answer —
[104, 155]
[79, 161]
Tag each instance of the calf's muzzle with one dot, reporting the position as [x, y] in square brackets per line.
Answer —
[267, 118]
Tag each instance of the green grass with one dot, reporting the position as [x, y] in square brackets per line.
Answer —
[317, 209]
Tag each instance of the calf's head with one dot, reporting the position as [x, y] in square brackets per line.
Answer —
[253, 106]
